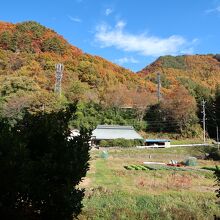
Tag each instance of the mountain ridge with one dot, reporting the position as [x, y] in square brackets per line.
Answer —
[200, 68]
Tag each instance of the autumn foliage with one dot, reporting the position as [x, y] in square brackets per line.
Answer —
[29, 52]
[202, 69]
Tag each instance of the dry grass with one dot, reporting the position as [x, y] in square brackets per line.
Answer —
[111, 190]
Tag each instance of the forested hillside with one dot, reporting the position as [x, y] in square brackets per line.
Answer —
[203, 70]
[198, 76]
[105, 92]
[28, 54]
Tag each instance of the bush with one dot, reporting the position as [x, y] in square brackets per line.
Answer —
[217, 180]
[214, 154]
[120, 142]
[40, 167]
[104, 143]
[138, 142]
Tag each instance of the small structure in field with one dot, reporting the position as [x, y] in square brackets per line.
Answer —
[112, 132]
[157, 143]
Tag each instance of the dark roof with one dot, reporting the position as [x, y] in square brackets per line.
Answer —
[157, 140]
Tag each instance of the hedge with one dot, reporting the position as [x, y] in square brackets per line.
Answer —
[120, 142]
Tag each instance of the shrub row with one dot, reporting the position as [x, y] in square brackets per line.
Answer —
[120, 142]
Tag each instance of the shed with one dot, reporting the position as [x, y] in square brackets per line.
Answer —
[111, 132]
[157, 142]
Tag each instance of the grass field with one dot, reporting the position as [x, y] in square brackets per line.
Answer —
[112, 192]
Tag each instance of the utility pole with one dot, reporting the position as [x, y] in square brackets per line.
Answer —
[203, 120]
[59, 74]
[217, 136]
[158, 87]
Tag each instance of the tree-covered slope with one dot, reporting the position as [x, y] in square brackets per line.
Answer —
[30, 51]
[28, 54]
[200, 75]
[32, 37]
[188, 69]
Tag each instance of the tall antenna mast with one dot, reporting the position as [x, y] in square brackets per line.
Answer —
[158, 87]
[59, 74]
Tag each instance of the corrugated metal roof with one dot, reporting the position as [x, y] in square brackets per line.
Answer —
[115, 127]
[106, 132]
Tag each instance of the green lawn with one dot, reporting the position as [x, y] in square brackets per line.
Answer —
[112, 192]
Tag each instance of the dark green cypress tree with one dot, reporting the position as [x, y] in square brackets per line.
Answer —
[40, 167]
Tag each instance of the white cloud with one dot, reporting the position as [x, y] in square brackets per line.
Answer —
[145, 44]
[124, 60]
[120, 25]
[75, 19]
[108, 11]
[217, 9]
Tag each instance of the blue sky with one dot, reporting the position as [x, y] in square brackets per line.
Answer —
[131, 33]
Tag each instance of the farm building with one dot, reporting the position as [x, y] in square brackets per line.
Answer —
[157, 143]
[111, 132]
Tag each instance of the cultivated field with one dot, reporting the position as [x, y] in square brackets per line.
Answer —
[112, 192]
